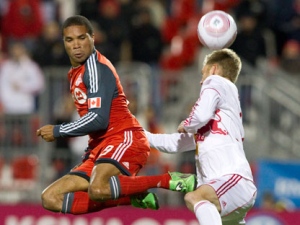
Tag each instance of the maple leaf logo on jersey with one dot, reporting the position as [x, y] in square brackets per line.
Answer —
[94, 102]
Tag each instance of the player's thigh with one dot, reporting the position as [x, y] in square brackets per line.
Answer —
[99, 188]
[102, 172]
[66, 184]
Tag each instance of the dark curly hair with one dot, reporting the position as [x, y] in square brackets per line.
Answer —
[79, 21]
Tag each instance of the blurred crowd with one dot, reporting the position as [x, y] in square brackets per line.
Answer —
[151, 31]
[160, 33]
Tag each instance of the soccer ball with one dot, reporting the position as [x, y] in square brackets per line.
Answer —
[216, 30]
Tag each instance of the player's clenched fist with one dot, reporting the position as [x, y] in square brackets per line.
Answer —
[46, 132]
[180, 128]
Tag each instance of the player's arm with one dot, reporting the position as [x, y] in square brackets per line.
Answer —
[203, 110]
[101, 84]
[172, 143]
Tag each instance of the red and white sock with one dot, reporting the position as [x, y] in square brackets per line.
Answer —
[207, 213]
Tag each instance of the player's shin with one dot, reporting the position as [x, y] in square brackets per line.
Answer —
[207, 213]
[79, 203]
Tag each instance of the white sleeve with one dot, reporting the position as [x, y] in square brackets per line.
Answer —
[203, 110]
[172, 143]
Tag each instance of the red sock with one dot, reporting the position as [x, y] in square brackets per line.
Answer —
[138, 184]
[79, 203]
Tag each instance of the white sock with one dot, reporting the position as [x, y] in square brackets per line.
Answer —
[207, 213]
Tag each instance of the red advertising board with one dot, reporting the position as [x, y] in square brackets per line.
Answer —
[26, 214]
[36, 215]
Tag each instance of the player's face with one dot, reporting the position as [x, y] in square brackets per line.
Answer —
[78, 43]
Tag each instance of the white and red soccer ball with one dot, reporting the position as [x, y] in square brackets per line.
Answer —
[216, 30]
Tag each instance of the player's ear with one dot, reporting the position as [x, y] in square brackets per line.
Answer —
[92, 36]
[213, 69]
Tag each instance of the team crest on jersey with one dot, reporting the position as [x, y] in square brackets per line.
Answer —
[79, 96]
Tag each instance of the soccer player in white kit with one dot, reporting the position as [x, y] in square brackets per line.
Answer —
[225, 191]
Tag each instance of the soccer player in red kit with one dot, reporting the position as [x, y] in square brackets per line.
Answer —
[117, 148]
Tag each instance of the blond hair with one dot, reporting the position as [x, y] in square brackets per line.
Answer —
[229, 62]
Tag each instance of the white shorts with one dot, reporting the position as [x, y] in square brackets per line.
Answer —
[236, 196]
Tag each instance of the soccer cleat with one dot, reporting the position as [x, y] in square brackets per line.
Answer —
[145, 201]
[182, 182]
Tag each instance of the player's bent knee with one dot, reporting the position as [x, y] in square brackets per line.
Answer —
[97, 193]
[189, 199]
[51, 202]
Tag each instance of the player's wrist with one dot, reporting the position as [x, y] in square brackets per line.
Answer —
[56, 132]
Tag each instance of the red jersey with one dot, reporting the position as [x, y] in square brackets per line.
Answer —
[100, 101]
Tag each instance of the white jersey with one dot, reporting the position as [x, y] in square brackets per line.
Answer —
[216, 124]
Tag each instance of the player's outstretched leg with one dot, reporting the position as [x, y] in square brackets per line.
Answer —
[145, 201]
[79, 203]
[182, 182]
[122, 185]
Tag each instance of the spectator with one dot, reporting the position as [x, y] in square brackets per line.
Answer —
[21, 80]
[157, 11]
[89, 9]
[117, 31]
[23, 22]
[250, 45]
[290, 58]
[257, 8]
[250, 42]
[147, 46]
[49, 49]
[145, 38]
[285, 18]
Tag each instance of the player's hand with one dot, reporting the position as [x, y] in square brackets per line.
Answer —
[46, 132]
[180, 128]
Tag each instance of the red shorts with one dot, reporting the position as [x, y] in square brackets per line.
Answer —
[128, 151]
